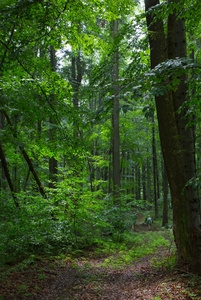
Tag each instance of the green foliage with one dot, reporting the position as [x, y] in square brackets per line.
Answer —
[141, 244]
[67, 221]
[30, 230]
[168, 262]
[80, 213]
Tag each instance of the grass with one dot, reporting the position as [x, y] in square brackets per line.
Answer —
[134, 246]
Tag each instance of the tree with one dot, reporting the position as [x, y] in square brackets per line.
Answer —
[154, 159]
[165, 198]
[53, 165]
[115, 116]
[176, 133]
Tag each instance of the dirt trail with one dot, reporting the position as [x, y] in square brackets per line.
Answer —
[133, 282]
[136, 281]
[91, 281]
[88, 280]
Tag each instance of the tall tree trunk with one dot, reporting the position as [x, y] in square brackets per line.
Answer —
[123, 164]
[165, 198]
[3, 177]
[115, 118]
[133, 180]
[110, 172]
[128, 173]
[76, 75]
[53, 165]
[177, 48]
[138, 182]
[157, 179]
[148, 180]
[154, 168]
[188, 143]
[76, 79]
[144, 191]
[92, 107]
[177, 141]
[170, 143]
[15, 165]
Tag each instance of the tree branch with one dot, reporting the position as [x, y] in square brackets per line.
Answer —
[6, 45]
[7, 174]
[28, 160]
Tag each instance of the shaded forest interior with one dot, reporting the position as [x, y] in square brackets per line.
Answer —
[99, 128]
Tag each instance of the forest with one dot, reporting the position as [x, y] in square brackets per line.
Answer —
[99, 128]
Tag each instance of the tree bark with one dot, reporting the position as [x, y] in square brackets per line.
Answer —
[76, 79]
[154, 169]
[177, 143]
[144, 182]
[177, 48]
[3, 177]
[128, 173]
[170, 143]
[115, 119]
[76, 76]
[53, 164]
[138, 182]
[148, 180]
[165, 198]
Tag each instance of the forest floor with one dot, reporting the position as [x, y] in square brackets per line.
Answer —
[89, 279]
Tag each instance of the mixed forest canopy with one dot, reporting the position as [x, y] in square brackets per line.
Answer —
[100, 120]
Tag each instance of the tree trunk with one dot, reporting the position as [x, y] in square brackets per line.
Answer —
[138, 182]
[148, 180]
[177, 48]
[144, 182]
[128, 173]
[52, 132]
[123, 165]
[3, 177]
[133, 180]
[165, 198]
[115, 119]
[157, 179]
[177, 142]
[170, 143]
[110, 172]
[154, 168]
[188, 143]
[76, 75]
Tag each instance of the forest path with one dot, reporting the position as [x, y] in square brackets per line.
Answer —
[91, 279]
[136, 281]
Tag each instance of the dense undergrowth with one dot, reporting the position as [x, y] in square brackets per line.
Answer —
[73, 224]
[133, 247]
[44, 236]
[44, 227]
